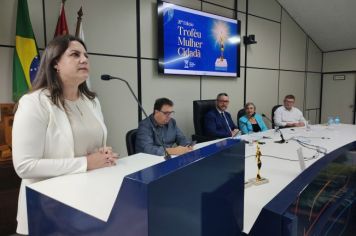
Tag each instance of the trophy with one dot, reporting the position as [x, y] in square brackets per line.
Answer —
[259, 180]
[221, 48]
[221, 33]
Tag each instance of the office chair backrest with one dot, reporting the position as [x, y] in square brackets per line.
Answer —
[272, 115]
[240, 114]
[131, 141]
[200, 108]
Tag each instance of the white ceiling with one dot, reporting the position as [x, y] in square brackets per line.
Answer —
[330, 23]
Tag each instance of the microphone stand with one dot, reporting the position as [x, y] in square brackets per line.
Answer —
[278, 130]
[281, 135]
[109, 77]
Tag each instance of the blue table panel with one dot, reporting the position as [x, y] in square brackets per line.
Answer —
[199, 193]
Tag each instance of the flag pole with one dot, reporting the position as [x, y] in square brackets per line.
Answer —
[79, 21]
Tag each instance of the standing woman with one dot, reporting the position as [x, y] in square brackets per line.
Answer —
[251, 121]
[58, 127]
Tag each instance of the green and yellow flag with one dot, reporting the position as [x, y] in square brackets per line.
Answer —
[26, 57]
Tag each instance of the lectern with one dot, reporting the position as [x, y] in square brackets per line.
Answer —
[199, 193]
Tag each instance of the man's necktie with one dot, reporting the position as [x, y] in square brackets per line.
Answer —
[227, 123]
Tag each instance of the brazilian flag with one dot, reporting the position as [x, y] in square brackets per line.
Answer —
[26, 57]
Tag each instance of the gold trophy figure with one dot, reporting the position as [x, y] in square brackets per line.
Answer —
[259, 163]
[259, 180]
[221, 33]
[221, 40]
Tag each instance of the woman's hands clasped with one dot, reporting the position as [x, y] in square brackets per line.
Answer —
[103, 157]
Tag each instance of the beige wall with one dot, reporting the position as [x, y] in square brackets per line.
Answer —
[340, 61]
[284, 60]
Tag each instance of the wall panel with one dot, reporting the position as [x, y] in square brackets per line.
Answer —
[149, 39]
[182, 90]
[241, 5]
[292, 83]
[6, 57]
[217, 10]
[313, 90]
[109, 28]
[269, 9]
[262, 90]
[340, 61]
[314, 57]
[225, 3]
[293, 45]
[118, 105]
[265, 53]
[8, 14]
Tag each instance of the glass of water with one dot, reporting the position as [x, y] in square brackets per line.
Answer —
[330, 120]
[307, 125]
[276, 128]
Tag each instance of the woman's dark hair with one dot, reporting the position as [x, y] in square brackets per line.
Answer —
[47, 77]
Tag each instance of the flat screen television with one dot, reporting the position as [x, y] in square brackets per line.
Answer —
[192, 42]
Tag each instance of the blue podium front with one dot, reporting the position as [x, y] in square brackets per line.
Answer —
[199, 193]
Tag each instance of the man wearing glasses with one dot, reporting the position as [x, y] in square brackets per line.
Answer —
[167, 132]
[218, 122]
[288, 115]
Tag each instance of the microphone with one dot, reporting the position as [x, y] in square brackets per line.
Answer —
[281, 135]
[109, 77]
[278, 130]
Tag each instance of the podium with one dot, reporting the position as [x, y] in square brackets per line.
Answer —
[198, 193]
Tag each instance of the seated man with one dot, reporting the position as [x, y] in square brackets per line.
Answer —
[167, 133]
[218, 122]
[288, 115]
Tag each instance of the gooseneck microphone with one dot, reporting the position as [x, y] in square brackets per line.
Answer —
[278, 130]
[281, 135]
[109, 77]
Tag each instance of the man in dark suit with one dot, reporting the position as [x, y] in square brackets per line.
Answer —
[218, 122]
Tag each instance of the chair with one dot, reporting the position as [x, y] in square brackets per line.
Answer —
[272, 115]
[240, 114]
[131, 141]
[200, 108]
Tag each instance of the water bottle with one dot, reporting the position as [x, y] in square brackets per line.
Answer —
[330, 121]
[337, 120]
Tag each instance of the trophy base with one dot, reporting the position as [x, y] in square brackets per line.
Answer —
[248, 183]
[261, 181]
[221, 65]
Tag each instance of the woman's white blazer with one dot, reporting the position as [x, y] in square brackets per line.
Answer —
[43, 146]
